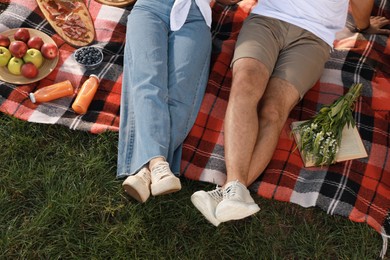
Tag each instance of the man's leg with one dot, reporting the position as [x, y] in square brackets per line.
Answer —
[252, 128]
[250, 78]
[248, 147]
[276, 104]
[241, 125]
[300, 64]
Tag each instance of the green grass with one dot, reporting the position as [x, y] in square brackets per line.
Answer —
[59, 199]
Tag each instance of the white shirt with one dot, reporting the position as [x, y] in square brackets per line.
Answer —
[181, 9]
[322, 17]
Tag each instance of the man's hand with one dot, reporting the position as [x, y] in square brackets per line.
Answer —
[376, 25]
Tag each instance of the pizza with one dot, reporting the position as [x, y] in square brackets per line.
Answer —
[70, 19]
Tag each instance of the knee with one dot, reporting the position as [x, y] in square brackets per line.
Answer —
[272, 113]
[246, 88]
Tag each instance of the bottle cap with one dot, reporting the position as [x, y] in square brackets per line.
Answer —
[95, 76]
[32, 97]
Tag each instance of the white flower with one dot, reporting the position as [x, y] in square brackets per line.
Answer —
[321, 135]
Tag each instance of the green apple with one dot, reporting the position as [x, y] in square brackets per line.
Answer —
[15, 66]
[5, 56]
[34, 56]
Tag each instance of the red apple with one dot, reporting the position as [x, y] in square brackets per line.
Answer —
[29, 70]
[35, 42]
[18, 49]
[49, 50]
[4, 41]
[22, 34]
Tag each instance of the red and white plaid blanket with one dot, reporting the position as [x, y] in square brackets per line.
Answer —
[357, 189]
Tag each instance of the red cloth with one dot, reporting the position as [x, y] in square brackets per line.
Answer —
[358, 189]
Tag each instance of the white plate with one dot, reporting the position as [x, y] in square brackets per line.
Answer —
[47, 65]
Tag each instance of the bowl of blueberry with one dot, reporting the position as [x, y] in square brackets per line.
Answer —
[89, 57]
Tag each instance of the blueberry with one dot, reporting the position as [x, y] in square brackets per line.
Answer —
[88, 55]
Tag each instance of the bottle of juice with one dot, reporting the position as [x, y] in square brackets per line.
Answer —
[51, 92]
[86, 94]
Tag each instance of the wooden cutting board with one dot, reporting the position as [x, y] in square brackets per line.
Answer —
[117, 3]
[70, 19]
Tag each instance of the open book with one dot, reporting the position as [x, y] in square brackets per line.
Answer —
[351, 146]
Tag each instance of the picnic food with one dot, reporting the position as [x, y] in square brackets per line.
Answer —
[35, 39]
[49, 50]
[5, 56]
[18, 48]
[29, 70]
[4, 40]
[15, 65]
[35, 42]
[51, 92]
[70, 19]
[86, 94]
[88, 57]
[22, 34]
[29, 50]
[34, 56]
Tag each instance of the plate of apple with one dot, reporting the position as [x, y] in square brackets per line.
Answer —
[26, 55]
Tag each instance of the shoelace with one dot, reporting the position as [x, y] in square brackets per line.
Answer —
[161, 170]
[216, 194]
[230, 191]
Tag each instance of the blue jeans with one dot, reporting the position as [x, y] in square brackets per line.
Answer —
[164, 79]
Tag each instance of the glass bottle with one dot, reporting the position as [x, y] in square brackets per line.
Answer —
[86, 94]
[51, 92]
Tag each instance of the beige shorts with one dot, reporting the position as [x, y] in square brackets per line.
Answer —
[288, 51]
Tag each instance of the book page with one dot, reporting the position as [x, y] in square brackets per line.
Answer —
[351, 145]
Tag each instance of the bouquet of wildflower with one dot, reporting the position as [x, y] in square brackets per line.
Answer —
[320, 137]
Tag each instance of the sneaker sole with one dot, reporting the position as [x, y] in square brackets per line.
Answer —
[132, 188]
[199, 202]
[165, 186]
[235, 210]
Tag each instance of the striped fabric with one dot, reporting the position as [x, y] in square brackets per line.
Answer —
[357, 189]
[103, 115]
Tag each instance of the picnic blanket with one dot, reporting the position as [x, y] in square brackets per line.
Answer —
[357, 189]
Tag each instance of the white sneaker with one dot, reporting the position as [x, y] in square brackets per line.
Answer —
[237, 203]
[138, 185]
[206, 203]
[163, 180]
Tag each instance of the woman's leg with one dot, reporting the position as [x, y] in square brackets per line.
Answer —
[188, 70]
[144, 120]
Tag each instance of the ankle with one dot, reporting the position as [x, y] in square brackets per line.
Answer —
[230, 181]
[155, 161]
[160, 169]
